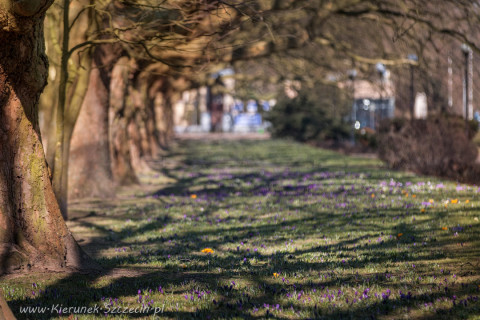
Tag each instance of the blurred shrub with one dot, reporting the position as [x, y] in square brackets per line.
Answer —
[436, 146]
[366, 138]
[313, 115]
[476, 139]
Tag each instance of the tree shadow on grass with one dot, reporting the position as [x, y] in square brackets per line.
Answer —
[222, 301]
[137, 269]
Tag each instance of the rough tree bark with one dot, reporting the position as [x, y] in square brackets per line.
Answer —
[71, 93]
[135, 141]
[48, 99]
[156, 100]
[136, 129]
[33, 234]
[90, 173]
[76, 97]
[5, 312]
[149, 98]
[120, 114]
[141, 121]
[164, 116]
[164, 111]
[151, 128]
[58, 168]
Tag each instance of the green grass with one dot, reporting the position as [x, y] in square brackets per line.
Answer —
[297, 233]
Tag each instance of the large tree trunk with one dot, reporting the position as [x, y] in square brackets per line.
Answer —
[135, 142]
[76, 97]
[152, 126]
[58, 159]
[71, 93]
[136, 131]
[148, 116]
[164, 115]
[48, 99]
[33, 234]
[120, 114]
[5, 312]
[159, 105]
[141, 121]
[89, 173]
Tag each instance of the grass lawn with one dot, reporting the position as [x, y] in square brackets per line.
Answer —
[257, 229]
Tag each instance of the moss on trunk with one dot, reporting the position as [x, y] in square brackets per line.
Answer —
[35, 235]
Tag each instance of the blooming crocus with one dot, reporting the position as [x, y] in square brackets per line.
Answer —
[454, 201]
[193, 196]
[208, 250]
[275, 275]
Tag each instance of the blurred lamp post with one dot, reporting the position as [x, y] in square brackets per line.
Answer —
[412, 57]
[450, 83]
[466, 52]
[352, 74]
[382, 70]
[383, 73]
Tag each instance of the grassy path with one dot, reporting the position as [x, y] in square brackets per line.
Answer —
[287, 232]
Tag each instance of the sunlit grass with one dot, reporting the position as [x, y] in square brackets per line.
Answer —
[294, 232]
